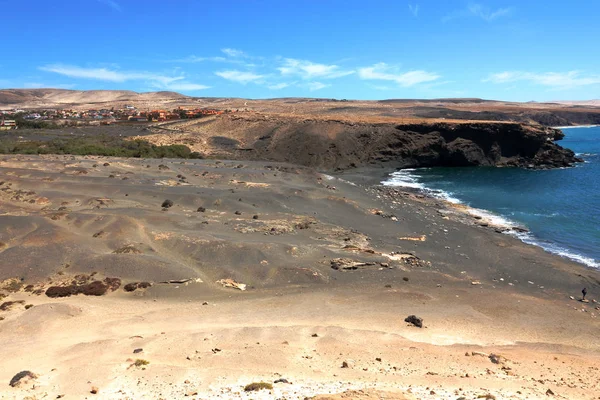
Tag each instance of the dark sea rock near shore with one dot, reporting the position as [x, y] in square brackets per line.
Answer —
[340, 144]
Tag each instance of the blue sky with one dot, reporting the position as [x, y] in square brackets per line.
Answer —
[509, 50]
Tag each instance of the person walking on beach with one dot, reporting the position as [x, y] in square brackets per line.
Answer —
[584, 292]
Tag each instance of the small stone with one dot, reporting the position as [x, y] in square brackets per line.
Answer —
[167, 204]
[314, 335]
[201, 209]
[238, 213]
[22, 377]
[94, 390]
[416, 321]
[136, 351]
[549, 392]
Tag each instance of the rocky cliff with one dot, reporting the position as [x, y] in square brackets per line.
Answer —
[339, 144]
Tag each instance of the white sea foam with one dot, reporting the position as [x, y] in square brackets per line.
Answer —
[404, 178]
[576, 127]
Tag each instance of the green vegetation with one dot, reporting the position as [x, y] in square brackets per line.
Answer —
[141, 362]
[95, 146]
[256, 386]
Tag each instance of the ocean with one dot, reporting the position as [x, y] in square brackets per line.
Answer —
[560, 207]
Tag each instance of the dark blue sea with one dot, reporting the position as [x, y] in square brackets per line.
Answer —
[560, 207]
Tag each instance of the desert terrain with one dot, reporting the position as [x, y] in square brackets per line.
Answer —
[269, 253]
[560, 113]
[330, 270]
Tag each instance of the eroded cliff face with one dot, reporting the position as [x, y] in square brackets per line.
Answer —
[338, 144]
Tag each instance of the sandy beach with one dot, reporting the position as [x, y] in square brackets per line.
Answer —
[330, 267]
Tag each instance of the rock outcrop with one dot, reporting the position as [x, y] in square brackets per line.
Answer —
[340, 144]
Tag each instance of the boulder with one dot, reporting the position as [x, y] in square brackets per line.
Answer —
[416, 321]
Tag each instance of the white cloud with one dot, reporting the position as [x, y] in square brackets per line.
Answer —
[480, 11]
[184, 87]
[197, 59]
[414, 9]
[278, 86]
[118, 76]
[488, 14]
[313, 86]
[234, 53]
[309, 70]
[112, 4]
[552, 79]
[384, 72]
[105, 74]
[240, 76]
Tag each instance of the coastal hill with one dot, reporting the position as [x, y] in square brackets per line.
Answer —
[549, 114]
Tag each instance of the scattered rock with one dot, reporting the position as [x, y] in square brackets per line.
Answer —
[22, 377]
[314, 335]
[131, 287]
[497, 359]
[346, 364]
[416, 321]
[167, 204]
[128, 249]
[96, 288]
[94, 390]
[7, 305]
[230, 283]
[136, 351]
[201, 209]
[549, 392]
[281, 380]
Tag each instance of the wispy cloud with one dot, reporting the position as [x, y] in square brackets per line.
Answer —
[488, 14]
[414, 9]
[551, 79]
[279, 86]
[112, 4]
[480, 11]
[309, 70]
[384, 72]
[234, 53]
[242, 77]
[118, 76]
[197, 59]
[105, 74]
[314, 86]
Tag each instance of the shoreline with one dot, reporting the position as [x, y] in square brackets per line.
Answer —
[487, 218]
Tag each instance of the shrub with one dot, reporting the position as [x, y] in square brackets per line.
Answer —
[141, 362]
[256, 386]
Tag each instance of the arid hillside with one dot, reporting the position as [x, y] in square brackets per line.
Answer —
[549, 114]
[336, 144]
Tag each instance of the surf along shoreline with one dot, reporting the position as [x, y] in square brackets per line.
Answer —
[407, 181]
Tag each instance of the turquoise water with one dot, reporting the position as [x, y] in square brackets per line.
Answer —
[561, 207]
